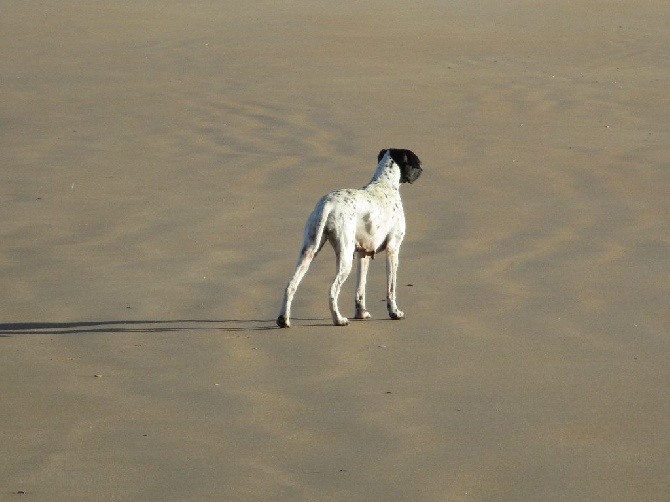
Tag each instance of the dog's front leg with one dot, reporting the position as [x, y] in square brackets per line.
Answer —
[391, 271]
[361, 276]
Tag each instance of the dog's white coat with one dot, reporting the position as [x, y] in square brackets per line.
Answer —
[358, 222]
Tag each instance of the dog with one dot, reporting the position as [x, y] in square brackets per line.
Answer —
[361, 222]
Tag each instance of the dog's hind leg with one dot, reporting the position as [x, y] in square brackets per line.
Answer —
[361, 276]
[307, 254]
[313, 240]
[345, 255]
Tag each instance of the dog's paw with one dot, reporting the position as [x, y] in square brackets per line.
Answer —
[398, 315]
[342, 321]
[282, 322]
[362, 314]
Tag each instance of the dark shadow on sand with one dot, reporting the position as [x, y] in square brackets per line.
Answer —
[134, 326]
[154, 326]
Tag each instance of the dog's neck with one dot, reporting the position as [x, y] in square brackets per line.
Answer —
[387, 173]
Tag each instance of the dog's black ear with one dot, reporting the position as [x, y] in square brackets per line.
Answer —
[381, 154]
[399, 156]
[410, 158]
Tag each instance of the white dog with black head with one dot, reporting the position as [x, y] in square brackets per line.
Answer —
[359, 222]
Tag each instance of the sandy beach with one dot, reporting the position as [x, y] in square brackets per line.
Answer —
[158, 162]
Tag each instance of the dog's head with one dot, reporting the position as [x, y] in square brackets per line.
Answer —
[409, 163]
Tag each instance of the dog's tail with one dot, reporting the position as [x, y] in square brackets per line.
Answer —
[319, 239]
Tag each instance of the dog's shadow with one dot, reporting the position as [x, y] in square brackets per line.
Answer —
[151, 326]
[134, 326]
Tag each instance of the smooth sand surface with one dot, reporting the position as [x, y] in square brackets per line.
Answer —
[158, 161]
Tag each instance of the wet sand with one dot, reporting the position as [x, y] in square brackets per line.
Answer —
[158, 164]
